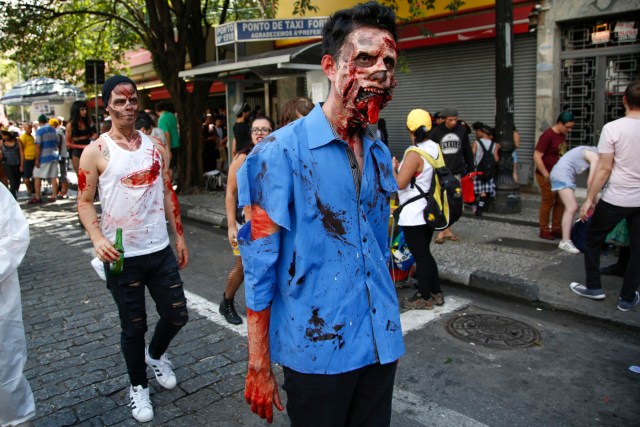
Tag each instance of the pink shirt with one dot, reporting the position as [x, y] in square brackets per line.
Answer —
[622, 138]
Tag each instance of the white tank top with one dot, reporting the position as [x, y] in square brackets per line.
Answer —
[412, 213]
[132, 198]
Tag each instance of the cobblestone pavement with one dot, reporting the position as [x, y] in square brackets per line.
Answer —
[75, 366]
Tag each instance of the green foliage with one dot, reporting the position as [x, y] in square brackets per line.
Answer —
[48, 41]
[301, 7]
[420, 8]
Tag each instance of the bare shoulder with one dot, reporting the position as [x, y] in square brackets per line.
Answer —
[94, 148]
[159, 145]
[157, 141]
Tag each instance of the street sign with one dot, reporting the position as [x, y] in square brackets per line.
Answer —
[94, 71]
[269, 29]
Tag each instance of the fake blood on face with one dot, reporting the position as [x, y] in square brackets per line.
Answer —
[365, 78]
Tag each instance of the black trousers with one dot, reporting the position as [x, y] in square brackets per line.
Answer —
[13, 174]
[158, 272]
[418, 239]
[357, 398]
[605, 217]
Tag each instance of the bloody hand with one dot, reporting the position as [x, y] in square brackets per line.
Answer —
[261, 389]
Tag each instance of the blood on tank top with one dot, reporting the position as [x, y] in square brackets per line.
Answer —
[132, 198]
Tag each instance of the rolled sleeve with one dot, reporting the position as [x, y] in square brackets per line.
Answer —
[265, 179]
[259, 258]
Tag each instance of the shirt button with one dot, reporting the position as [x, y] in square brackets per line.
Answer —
[368, 274]
[364, 240]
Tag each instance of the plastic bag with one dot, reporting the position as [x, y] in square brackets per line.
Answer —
[401, 257]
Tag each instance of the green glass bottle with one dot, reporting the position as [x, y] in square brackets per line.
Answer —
[116, 266]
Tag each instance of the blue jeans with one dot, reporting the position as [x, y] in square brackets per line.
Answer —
[605, 217]
[158, 272]
[357, 398]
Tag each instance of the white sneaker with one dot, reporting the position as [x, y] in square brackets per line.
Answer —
[140, 404]
[163, 368]
[568, 246]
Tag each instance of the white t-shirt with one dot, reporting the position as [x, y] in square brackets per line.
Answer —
[622, 138]
[412, 213]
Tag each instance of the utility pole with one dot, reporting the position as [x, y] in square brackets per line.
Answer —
[507, 190]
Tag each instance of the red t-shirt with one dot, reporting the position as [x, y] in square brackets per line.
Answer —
[549, 145]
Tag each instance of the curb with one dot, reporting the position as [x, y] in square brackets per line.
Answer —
[504, 285]
[477, 280]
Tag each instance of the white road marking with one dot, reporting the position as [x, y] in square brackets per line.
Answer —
[412, 320]
[428, 413]
[209, 310]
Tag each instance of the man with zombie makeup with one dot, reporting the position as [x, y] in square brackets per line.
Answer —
[131, 171]
[320, 299]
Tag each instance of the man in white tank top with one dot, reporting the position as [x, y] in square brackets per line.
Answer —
[131, 171]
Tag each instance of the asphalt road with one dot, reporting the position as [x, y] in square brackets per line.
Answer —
[574, 374]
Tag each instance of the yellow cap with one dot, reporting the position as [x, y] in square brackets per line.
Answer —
[417, 118]
[53, 122]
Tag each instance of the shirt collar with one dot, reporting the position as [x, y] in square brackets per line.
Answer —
[320, 132]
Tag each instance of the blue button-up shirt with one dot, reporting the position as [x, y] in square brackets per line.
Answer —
[333, 305]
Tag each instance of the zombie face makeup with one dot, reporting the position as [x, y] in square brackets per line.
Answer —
[365, 74]
[123, 102]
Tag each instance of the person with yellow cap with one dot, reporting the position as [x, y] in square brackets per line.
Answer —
[411, 173]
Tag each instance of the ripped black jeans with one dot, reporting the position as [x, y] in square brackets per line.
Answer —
[158, 272]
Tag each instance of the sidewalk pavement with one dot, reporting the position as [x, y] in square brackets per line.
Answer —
[496, 253]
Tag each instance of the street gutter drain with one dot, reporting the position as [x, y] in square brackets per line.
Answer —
[493, 331]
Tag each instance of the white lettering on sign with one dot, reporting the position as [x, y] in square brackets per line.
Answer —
[225, 34]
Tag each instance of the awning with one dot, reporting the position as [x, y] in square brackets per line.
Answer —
[53, 91]
[269, 65]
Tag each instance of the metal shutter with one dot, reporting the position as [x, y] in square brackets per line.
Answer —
[464, 76]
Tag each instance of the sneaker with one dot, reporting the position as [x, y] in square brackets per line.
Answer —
[228, 310]
[438, 299]
[583, 291]
[416, 302]
[546, 234]
[628, 305]
[162, 368]
[140, 403]
[568, 246]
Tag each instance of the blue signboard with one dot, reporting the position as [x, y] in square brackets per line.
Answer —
[270, 29]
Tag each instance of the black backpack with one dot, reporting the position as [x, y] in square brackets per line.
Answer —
[444, 206]
[487, 164]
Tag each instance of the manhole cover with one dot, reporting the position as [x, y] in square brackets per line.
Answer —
[493, 331]
[524, 244]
